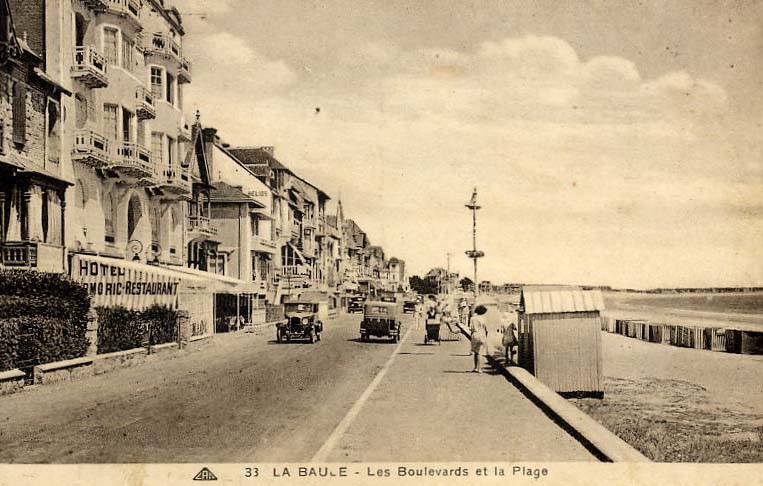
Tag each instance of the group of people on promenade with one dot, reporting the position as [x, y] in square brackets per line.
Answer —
[447, 311]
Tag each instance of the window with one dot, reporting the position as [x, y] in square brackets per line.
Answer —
[128, 134]
[110, 45]
[156, 147]
[170, 89]
[171, 149]
[19, 113]
[81, 106]
[110, 121]
[80, 195]
[108, 215]
[128, 47]
[157, 78]
[54, 136]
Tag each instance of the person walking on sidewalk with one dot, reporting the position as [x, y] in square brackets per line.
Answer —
[478, 328]
[510, 341]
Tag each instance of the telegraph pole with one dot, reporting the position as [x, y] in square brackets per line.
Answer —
[474, 254]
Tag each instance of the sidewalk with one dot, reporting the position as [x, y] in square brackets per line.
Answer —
[429, 407]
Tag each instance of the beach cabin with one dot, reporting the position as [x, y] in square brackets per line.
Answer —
[559, 338]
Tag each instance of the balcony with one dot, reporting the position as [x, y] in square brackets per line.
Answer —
[32, 255]
[96, 5]
[134, 161]
[162, 45]
[184, 73]
[89, 67]
[145, 108]
[175, 181]
[128, 9]
[262, 245]
[200, 226]
[91, 148]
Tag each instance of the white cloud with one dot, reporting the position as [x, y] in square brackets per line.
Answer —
[584, 165]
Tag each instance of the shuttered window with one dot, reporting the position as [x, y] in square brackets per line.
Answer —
[19, 113]
[110, 42]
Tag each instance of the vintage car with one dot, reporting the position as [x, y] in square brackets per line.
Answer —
[355, 305]
[302, 322]
[409, 304]
[380, 319]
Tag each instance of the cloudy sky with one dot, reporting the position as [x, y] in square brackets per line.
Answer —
[609, 144]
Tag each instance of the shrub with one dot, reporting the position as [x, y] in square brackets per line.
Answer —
[120, 329]
[43, 318]
[8, 344]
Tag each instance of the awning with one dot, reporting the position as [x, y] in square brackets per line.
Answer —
[113, 282]
[297, 252]
[220, 283]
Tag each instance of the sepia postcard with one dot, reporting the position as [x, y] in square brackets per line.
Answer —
[472, 242]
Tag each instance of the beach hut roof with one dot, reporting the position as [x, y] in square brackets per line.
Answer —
[548, 299]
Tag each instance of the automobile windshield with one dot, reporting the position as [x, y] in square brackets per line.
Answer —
[299, 308]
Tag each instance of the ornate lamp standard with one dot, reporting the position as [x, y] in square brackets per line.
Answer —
[474, 254]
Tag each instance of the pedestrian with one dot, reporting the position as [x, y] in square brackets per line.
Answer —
[510, 341]
[432, 307]
[478, 328]
[463, 312]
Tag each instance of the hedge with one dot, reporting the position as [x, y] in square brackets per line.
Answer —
[120, 329]
[43, 318]
[9, 340]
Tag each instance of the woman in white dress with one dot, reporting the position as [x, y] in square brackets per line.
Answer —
[478, 328]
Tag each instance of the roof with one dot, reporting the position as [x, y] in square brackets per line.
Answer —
[257, 156]
[546, 299]
[224, 192]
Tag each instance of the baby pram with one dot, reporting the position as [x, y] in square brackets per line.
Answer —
[432, 326]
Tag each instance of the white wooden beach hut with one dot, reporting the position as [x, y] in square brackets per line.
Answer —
[560, 340]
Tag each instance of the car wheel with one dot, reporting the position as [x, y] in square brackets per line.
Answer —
[279, 338]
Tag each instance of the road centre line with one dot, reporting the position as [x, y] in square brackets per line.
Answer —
[340, 429]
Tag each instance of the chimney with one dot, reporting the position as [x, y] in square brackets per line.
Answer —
[269, 149]
[210, 134]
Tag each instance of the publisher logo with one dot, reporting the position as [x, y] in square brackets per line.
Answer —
[205, 475]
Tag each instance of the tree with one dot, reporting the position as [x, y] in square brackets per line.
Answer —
[466, 284]
[422, 286]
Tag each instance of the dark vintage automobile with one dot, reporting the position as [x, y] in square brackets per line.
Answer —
[380, 319]
[355, 305]
[301, 322]
[409, 304]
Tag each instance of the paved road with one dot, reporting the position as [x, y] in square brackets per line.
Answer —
[244, 398]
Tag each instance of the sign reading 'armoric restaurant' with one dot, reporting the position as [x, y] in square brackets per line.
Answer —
[120, 283]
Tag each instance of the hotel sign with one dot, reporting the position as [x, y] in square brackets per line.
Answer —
[135, 286]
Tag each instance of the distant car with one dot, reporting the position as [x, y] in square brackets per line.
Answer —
[409, 306]
[355, 305]
[380, 319]
[301, 322]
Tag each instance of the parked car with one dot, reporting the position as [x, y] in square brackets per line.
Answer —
[302, 322]
[380, 319]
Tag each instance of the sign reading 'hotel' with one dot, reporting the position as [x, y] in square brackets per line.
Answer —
[122, 283]
[119, 287]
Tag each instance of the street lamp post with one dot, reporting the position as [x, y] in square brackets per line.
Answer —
[474, 254]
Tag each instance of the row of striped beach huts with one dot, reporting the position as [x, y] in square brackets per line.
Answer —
[687, 336]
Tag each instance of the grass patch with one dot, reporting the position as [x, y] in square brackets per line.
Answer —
[674, 421]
